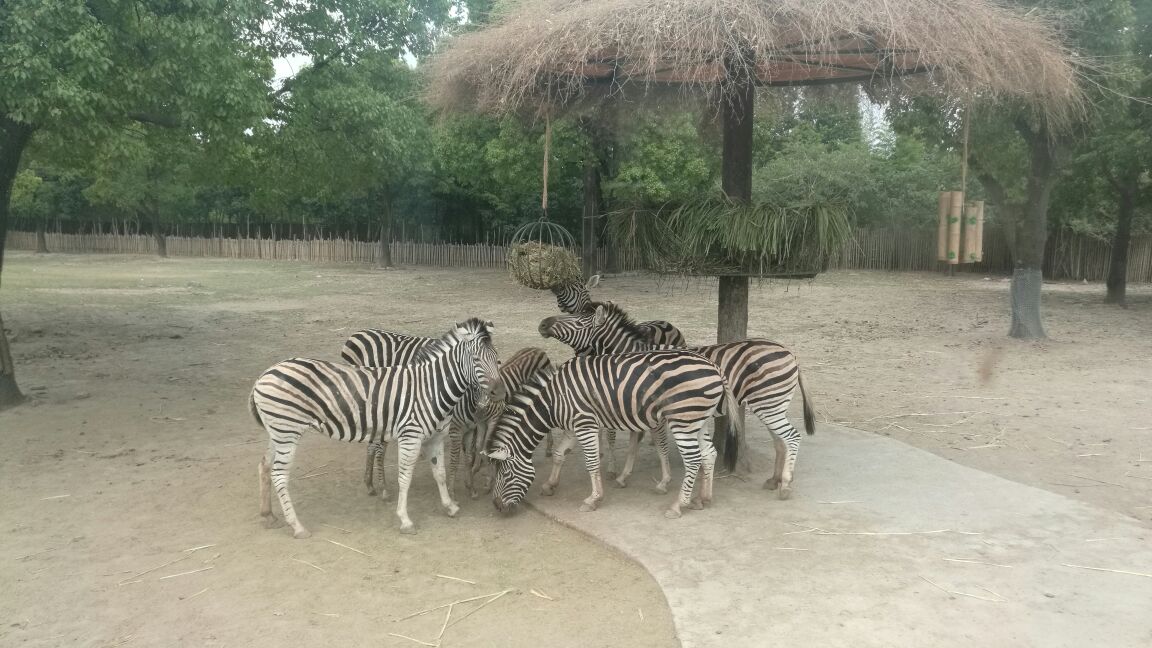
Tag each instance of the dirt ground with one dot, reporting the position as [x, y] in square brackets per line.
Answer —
[137, 445]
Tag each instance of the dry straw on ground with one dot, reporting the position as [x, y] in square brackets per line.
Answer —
[557, 52]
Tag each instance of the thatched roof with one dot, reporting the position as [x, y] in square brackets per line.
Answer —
[557, 52]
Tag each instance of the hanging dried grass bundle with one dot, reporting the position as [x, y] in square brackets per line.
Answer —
[542, 266]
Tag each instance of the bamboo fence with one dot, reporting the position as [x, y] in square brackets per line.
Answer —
[1069, 255]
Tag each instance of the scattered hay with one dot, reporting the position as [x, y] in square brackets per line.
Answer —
[542, 266]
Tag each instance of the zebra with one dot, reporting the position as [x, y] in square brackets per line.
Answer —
[763, 375]
[410, 404]
[676, 391]
[378, 348]
[573, 298]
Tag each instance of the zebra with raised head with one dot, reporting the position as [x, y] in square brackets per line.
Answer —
[409, 404]
[574, 297]
[763, 375]
[676, 391]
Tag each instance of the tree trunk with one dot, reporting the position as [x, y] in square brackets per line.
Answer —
[591, 212]
[161, 242]
[14, 138]
[1028, 276]
[384, 254]
[737, 109]
[1118, 267]
[41, 238]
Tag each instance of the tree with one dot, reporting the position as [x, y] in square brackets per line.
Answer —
[348, 128]
[1019, 158]
[84, 68]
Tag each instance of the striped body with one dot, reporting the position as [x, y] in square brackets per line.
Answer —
[377, 348]
[676, 391]
[409, 404]
[763, 375]
[574, 298]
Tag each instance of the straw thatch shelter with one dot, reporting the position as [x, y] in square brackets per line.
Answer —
[548, 55]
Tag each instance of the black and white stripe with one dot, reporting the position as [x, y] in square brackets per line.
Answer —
[410, 404]
[574, 297]
[763, 375]
[674, 391]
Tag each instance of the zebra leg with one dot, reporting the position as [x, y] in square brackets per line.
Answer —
[786, 439]
[559, 454]
[381, 485]
[630, 461]
[280, 454]
[264, 473]
[455, 438]
[438, 473]
[610, 453]
[660, 435]
[589, 437]
[407, 452]
[708, 466]
[689, 444]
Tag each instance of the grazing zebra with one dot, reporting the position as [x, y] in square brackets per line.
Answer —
[573, 298]
[676, 391]
[763, 375]
[378, 348]
[410, 404]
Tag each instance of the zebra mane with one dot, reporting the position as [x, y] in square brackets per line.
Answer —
[620, 318]
[472, 328]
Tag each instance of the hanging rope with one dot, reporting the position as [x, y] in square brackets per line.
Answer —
[966, 118]
[547, 154]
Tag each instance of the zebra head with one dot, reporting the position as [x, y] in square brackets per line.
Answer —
[475, 336]
[601, 328]
[573, 296]
[512, 439]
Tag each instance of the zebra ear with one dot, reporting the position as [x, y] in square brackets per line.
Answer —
[499, 454]
[592, 282]
[600, 316]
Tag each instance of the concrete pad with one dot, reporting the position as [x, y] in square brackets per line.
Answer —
[756, 571]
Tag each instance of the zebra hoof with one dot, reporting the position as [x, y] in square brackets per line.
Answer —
[706, 502]
[273, 522]
[452, 510]
[772, 483]
[785, 493]
[548, 489]
[662, 488]
[371, 492]
[408, 530]
[587, 508]
[696, 505]
[302, 534]
[672, 514]
[622, 482]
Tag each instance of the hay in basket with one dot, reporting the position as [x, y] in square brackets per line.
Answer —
[542, 266]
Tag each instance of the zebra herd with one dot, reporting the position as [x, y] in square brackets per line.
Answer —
[454, 395]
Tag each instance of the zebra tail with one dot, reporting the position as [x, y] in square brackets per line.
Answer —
[809, 411]
[252, 408]
[734, 430]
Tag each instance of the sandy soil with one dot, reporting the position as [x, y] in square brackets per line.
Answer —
[139, 368]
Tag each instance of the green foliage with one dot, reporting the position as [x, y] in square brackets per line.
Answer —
[662, 159]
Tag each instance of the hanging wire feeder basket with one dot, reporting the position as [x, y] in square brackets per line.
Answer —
[542, 255]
